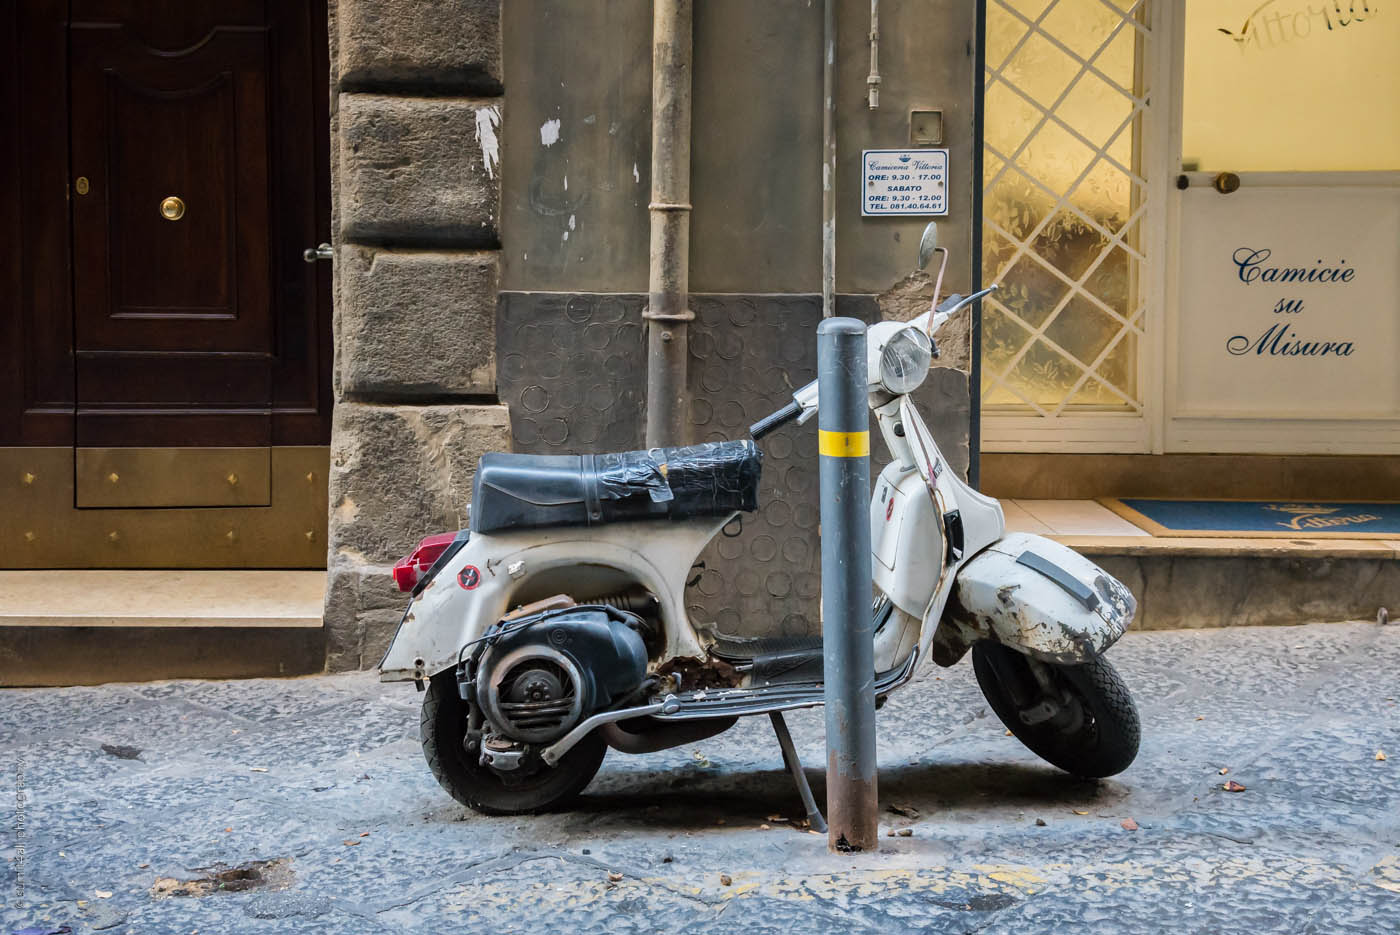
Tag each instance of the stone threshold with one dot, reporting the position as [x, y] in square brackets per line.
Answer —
[156, 598]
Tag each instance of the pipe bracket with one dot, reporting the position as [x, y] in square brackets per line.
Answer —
[649, 315]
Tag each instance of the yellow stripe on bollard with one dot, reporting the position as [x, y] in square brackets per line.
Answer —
[843, 444]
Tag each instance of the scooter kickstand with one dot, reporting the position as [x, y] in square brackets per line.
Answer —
[814, 815]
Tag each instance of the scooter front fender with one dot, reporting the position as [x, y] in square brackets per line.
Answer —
[1036, 596]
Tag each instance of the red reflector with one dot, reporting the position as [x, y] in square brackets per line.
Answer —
[408, 569]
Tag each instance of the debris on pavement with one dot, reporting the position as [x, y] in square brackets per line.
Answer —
[1128, 824]
[1380, 754]
[122, 752]
[907, 811]
[1232, 786]
[1040, 822]
[725, 879]
[258, 874]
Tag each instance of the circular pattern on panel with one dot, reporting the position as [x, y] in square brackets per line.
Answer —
[573, 374]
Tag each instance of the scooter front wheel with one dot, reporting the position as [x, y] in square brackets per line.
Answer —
[1098, 739]
[443, 726]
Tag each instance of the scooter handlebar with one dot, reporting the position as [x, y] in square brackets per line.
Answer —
[775, 421]
[804, 401]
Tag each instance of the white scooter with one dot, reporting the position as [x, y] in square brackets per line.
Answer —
[555, 627]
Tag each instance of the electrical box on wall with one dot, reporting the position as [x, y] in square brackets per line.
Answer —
[926, 127]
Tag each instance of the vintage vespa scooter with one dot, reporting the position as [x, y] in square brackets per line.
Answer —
[555, 626]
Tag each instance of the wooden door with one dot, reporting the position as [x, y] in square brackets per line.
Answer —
[172, 271]
[163, 325]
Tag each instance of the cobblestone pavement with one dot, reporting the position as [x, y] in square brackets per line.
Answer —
[318, 785]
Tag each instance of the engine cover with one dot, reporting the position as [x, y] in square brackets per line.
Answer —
[550, 671]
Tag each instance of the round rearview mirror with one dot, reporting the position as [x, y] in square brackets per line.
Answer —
[928, 243]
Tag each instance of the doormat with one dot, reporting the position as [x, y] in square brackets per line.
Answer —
[1288, 519]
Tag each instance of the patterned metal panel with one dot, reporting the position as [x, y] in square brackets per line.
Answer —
[572, 370]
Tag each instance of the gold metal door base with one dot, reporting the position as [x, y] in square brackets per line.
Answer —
[42, 526]
[137, 477]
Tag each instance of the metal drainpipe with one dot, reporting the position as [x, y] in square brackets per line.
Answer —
[667, 314]
[872, 81]
[829, 159]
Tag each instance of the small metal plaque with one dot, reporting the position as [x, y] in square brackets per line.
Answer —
[904, 182]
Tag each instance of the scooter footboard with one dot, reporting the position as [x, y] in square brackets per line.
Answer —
[1037, 596]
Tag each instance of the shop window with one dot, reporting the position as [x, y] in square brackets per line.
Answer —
[1291, 86]
[1064, 206]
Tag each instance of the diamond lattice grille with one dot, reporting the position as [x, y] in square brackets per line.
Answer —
[1064, 206]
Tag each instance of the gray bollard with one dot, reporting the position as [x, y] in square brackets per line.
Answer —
[848, 646]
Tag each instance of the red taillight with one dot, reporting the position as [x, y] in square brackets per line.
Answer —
[408, 569]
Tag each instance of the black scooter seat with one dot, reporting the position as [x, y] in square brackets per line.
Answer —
[514, 491]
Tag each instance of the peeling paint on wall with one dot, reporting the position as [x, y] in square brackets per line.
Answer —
[549, 132]
[487, 120]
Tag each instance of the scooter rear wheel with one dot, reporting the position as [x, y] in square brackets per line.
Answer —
[443, 725]
[1105, 739]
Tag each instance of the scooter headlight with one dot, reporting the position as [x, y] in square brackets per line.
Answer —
[905, 361]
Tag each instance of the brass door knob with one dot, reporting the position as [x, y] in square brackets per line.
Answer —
[172, 208]
[1226, 182]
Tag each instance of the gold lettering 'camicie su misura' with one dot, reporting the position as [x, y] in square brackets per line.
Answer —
[1316, 516]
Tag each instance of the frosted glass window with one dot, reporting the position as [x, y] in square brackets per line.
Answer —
[1064, 206]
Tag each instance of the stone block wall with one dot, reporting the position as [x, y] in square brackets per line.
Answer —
[415, 115]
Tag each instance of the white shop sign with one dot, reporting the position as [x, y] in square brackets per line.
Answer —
[904, 181]
[1289, 304]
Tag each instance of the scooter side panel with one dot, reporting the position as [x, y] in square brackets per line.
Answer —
[906, 543]
[496, 572]
[1041, 598]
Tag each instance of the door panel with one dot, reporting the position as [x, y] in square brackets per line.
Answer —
[162, 477]
[1287, 324]
[173, 310]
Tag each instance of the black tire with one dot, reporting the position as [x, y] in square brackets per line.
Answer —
[443, 724]
[1106, 741]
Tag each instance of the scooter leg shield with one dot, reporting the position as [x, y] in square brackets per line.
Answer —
[1037, 596]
